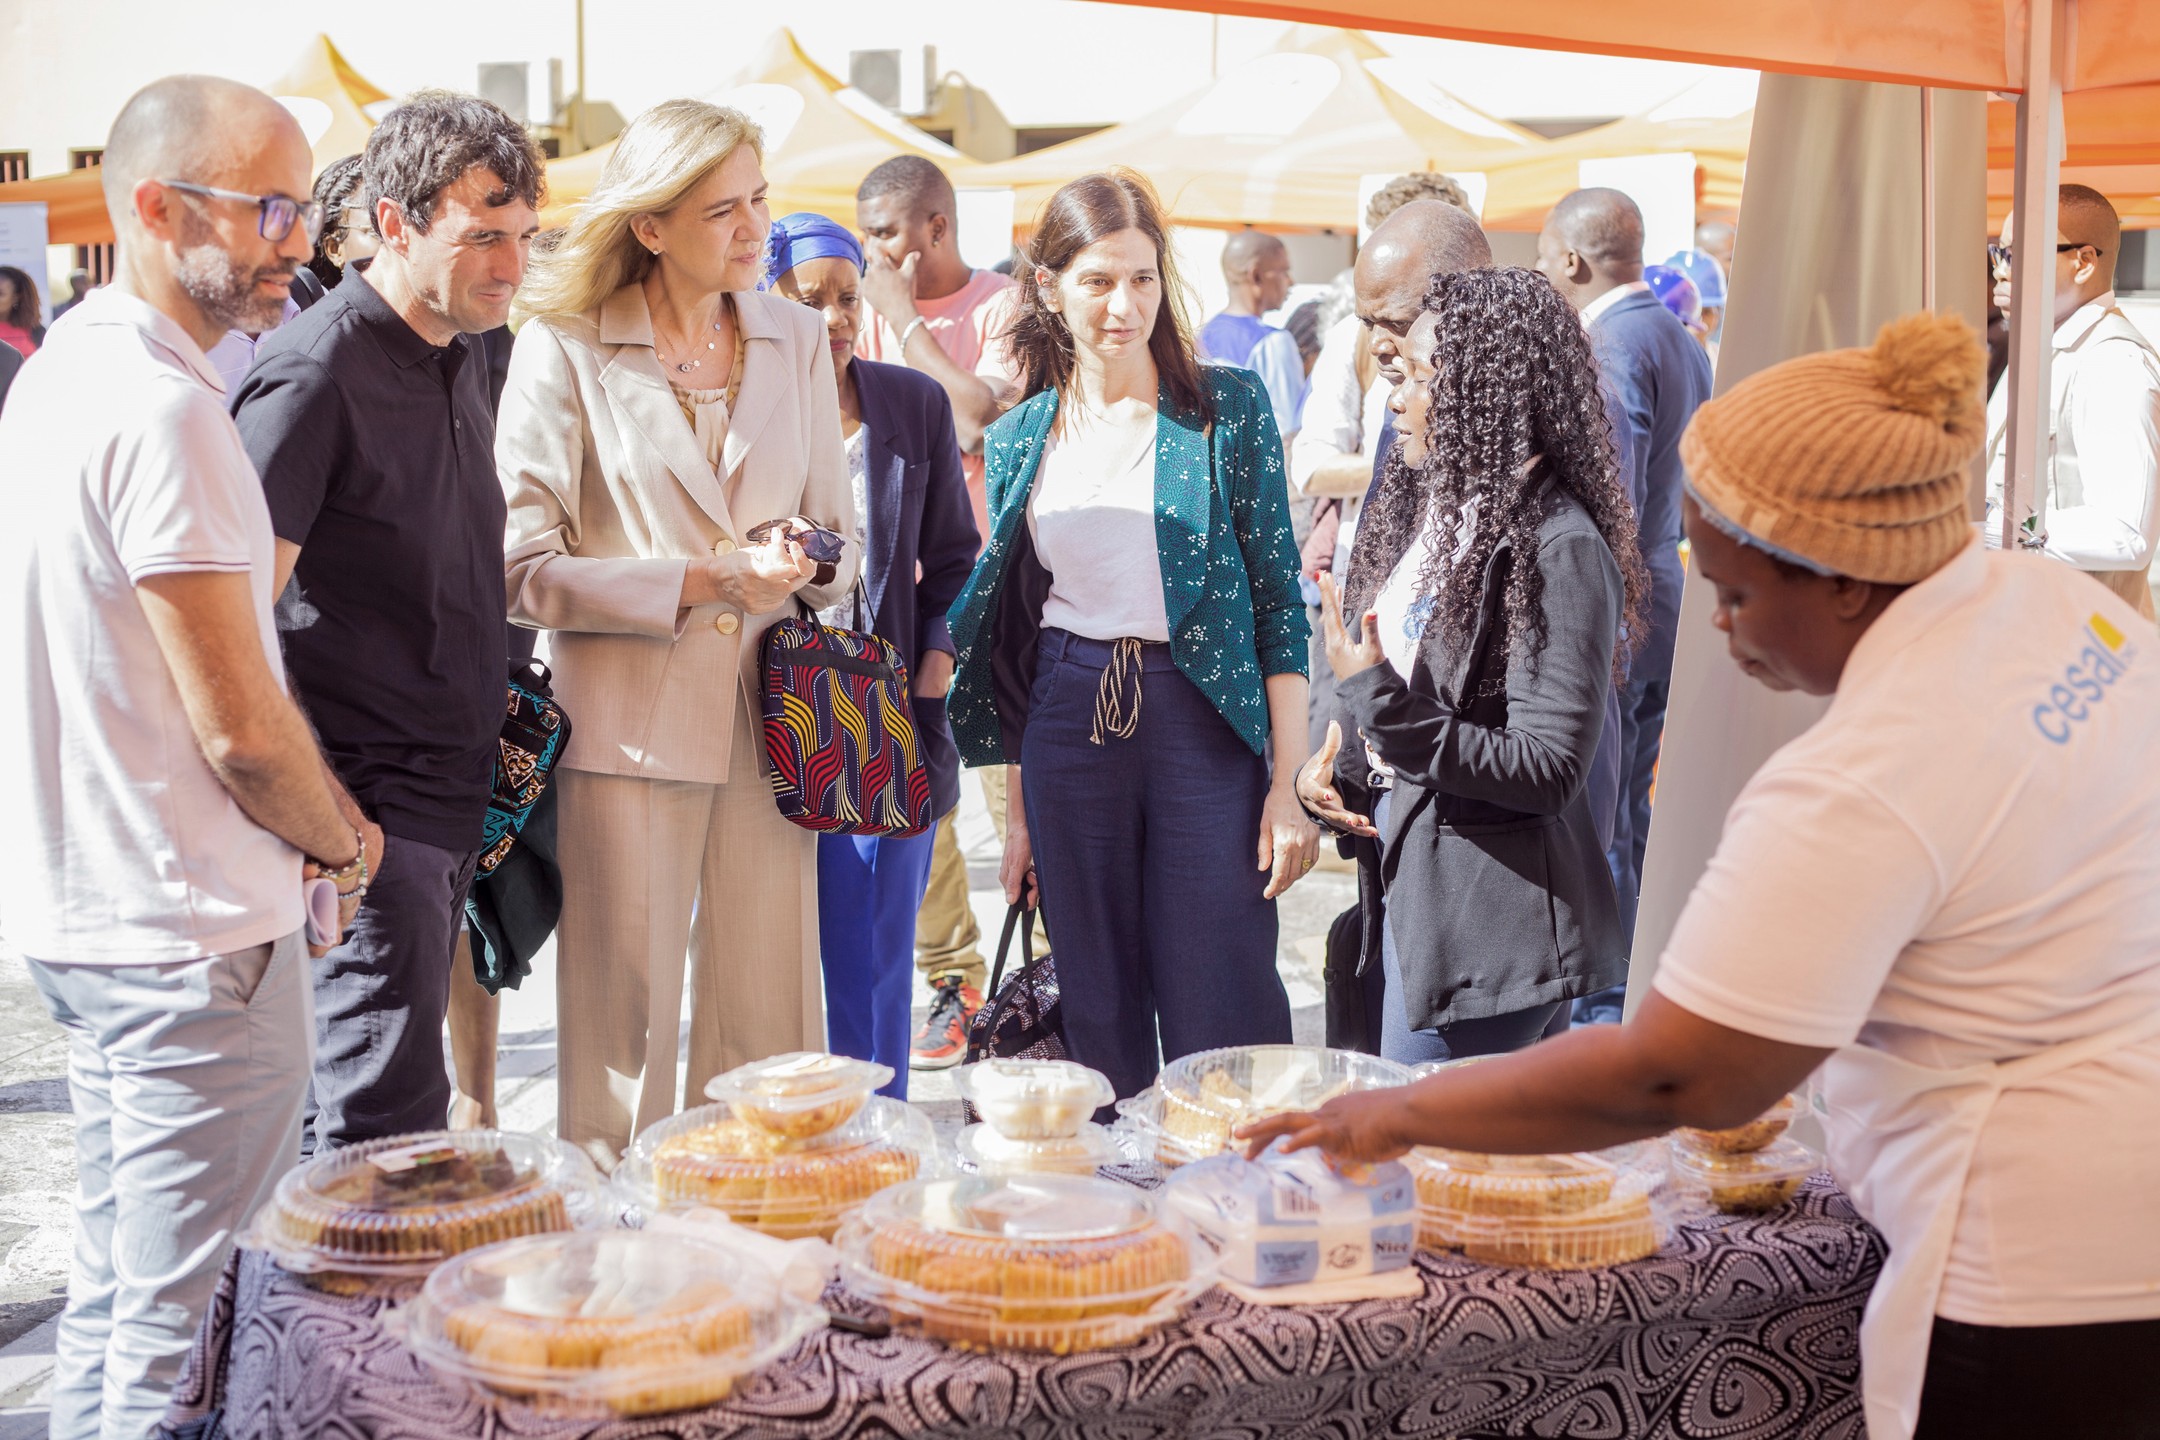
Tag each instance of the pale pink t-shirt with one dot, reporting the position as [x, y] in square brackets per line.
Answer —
[965, 324]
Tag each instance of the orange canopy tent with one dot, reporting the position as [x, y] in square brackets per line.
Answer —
[2112, 143]
[333, 102]
[1282, 140]
[821, 137]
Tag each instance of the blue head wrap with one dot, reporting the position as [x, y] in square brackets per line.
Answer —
[803, 237]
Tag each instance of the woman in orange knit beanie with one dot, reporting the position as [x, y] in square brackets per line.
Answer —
[1940, 901]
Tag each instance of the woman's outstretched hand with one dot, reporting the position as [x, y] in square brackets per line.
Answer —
[1363, 1127]
[1317, 793]
[1289, 841]
[1347, 656]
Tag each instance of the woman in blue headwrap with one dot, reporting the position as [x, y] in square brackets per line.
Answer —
[917, 531]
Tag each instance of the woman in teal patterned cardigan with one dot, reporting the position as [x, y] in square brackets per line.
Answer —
[1133, 640]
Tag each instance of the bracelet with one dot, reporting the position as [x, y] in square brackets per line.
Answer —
[908, 334]
[340, 873]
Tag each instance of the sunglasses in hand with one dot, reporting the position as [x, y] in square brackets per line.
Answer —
[820, 544]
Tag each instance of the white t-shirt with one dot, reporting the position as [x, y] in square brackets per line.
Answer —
[122, 464]
[1340, 418]
[1960, 862]
[1404, 608]
[1092, 517]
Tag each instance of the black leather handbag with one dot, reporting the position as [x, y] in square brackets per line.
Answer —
[1022, 1019]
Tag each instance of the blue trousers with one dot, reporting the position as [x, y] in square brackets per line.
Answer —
[869, 889]
[1146, 851]
[1642, 727]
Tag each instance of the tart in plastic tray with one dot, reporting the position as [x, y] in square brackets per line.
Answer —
[794, 1189]
[1762, 1131]
[1036, 1262]
[1746, 1182]
[604, 1321]
[1560, 1212]
[981, 1148]
[402, 1205]
[1033, 1099]
[799, 1095]
[1205, 1096]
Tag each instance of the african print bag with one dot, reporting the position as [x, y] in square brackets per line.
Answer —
[840, 731]
[534, 732]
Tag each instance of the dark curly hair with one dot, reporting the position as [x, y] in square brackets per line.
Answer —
[1515, 381]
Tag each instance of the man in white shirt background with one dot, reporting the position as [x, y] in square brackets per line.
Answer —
[163, 788]
[1256, 267]
[2103, 490]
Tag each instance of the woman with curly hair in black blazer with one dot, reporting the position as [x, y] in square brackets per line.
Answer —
[1493, 576]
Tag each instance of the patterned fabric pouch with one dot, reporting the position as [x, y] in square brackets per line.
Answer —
[535, 729]
[840, 739]
[1023, 1018]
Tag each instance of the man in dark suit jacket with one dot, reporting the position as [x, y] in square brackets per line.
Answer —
[1592, 250]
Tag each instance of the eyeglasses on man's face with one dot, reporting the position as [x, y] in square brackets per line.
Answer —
[279, 213]
[1999, 256]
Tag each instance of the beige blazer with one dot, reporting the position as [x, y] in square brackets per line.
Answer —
[611, 498]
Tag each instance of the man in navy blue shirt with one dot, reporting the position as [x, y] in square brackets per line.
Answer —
[1592, 250]
[370, 422]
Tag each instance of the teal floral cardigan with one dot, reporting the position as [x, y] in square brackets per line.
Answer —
[1229, 567]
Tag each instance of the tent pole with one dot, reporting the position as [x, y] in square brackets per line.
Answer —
[1928, 198]
[2032, 270]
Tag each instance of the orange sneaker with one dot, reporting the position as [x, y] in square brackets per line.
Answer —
[942, 1041]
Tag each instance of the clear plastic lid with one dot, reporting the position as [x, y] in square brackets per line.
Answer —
[1746, 1182]
[1741, 1139]
[981, 1148]
[1033, 1262]
[599, 1322]
[1205, 1096]
[790, 1188]
[1562, 1212]
[1034, 1099]
[799, 1095]
[402, 1205]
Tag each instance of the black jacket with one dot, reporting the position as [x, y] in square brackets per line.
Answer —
[1490, 869]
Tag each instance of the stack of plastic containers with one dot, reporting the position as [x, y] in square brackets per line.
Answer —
[1036, 1118]
[1748, 1169]
[1558, 1212]
[595, 1323]
[799, 1141]
[1060, 1263]
[398, 1207]
[1199, 1100]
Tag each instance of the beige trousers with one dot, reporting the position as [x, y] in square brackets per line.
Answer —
[654, 870]
[946, 935]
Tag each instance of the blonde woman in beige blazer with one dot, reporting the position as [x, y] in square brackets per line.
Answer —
[657, 409]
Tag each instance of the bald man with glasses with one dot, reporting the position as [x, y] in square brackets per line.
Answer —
[2103, 490]
[164, 797]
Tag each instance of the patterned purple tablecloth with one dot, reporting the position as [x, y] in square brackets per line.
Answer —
[1739, 1329]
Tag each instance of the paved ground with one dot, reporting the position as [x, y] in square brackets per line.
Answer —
[37, 1168]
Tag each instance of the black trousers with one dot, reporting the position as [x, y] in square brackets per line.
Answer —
[380, 1001]
[2042, 1382]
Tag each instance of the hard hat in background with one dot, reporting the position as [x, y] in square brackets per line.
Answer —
[1702, 267]
[1677, 293]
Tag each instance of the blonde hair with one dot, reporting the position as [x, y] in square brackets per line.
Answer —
[659, 158]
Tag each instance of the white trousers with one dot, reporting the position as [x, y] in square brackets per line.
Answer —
[654, 872]
[187, 1080]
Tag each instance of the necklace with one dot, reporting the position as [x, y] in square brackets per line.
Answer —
[686, 366]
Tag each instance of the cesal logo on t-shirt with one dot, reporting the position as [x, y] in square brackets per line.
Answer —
[2102, 661]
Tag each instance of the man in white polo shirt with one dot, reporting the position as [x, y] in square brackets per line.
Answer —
[1944, 896]
[163, 789]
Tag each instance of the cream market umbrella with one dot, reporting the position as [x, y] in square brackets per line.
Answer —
[821, 137]
[1283, 140]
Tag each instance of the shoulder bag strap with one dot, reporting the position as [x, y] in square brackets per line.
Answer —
[1020, 917]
